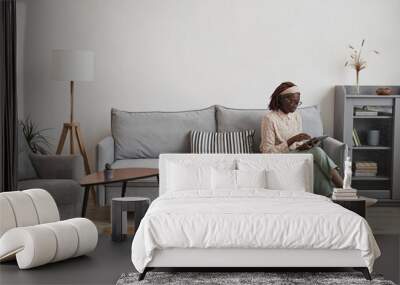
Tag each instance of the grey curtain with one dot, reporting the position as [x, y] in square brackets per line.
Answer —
[8, 97]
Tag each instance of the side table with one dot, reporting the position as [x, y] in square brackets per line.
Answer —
[355, 205]
[118, 175]
[119, 209]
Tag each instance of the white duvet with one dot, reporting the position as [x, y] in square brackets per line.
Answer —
[252, 218]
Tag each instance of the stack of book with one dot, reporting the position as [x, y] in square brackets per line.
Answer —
[366, 168]
[344, 194]
[364, 111]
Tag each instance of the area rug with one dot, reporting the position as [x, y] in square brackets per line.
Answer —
[244, 278]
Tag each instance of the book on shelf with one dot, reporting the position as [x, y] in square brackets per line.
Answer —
[366, 164]
[367, 170]
[356, 138]
[365, 174]
[364, 111]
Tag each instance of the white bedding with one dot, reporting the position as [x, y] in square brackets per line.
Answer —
[252, 218]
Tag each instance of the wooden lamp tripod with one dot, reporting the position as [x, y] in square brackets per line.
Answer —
[74, 131]
[73, 65]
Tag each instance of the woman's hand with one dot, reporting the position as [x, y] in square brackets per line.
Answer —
[298, 138]
[305, 146]
[310, 144]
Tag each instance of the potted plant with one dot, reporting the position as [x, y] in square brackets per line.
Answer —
[357, 62]
[37, 141]
[108, 173]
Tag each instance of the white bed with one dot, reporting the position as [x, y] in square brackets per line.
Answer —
[198, 223]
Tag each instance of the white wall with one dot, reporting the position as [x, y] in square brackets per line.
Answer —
[182, 54]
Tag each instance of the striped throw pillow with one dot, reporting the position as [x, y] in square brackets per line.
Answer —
[222, 142]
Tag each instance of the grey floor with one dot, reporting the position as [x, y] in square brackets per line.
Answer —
[103, 266]
[110, 259]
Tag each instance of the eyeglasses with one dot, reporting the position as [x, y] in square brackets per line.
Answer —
[291, 101]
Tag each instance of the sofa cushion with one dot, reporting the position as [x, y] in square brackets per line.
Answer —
[312, 123]
[147, 134]
[140, 162]
[63, 191]
[222, 142]
[229, 119]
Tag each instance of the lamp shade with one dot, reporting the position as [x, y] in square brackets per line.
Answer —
[72, 65]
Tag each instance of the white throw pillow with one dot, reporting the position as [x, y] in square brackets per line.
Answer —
[223, 179]
[251, 178]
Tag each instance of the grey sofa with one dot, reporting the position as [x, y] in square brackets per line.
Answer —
[58, 174]
[137, 138]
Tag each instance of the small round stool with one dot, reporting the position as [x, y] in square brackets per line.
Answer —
[120, 207]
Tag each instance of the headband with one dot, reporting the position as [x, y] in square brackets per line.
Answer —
[291, 90]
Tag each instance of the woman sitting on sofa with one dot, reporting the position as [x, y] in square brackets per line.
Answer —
[282, 132]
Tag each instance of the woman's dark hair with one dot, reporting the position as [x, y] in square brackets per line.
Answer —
[274, 102]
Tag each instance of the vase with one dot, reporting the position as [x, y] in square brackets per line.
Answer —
[358, 82]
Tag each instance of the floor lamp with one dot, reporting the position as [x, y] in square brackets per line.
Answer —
[72, 66]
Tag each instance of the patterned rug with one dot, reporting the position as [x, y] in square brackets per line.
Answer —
[243, 278]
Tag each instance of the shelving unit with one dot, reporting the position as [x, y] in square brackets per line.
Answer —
[386, 185]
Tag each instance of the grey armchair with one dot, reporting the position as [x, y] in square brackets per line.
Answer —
[57, 174]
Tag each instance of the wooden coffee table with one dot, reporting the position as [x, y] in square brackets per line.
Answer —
[119, 175]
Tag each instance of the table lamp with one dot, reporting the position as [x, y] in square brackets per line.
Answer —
[72, 66]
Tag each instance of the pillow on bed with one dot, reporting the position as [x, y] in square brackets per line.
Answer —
[251, 178]
[223, 179]
[288, 175]
[237, 179]
[185, 177]
[293, 181]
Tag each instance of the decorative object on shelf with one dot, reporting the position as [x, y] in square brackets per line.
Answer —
[37, 141]
[347, 174]
[384, 91]
[73, 65]
[108, 172]
[357, 62]
[373, 137]
[346, 192]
